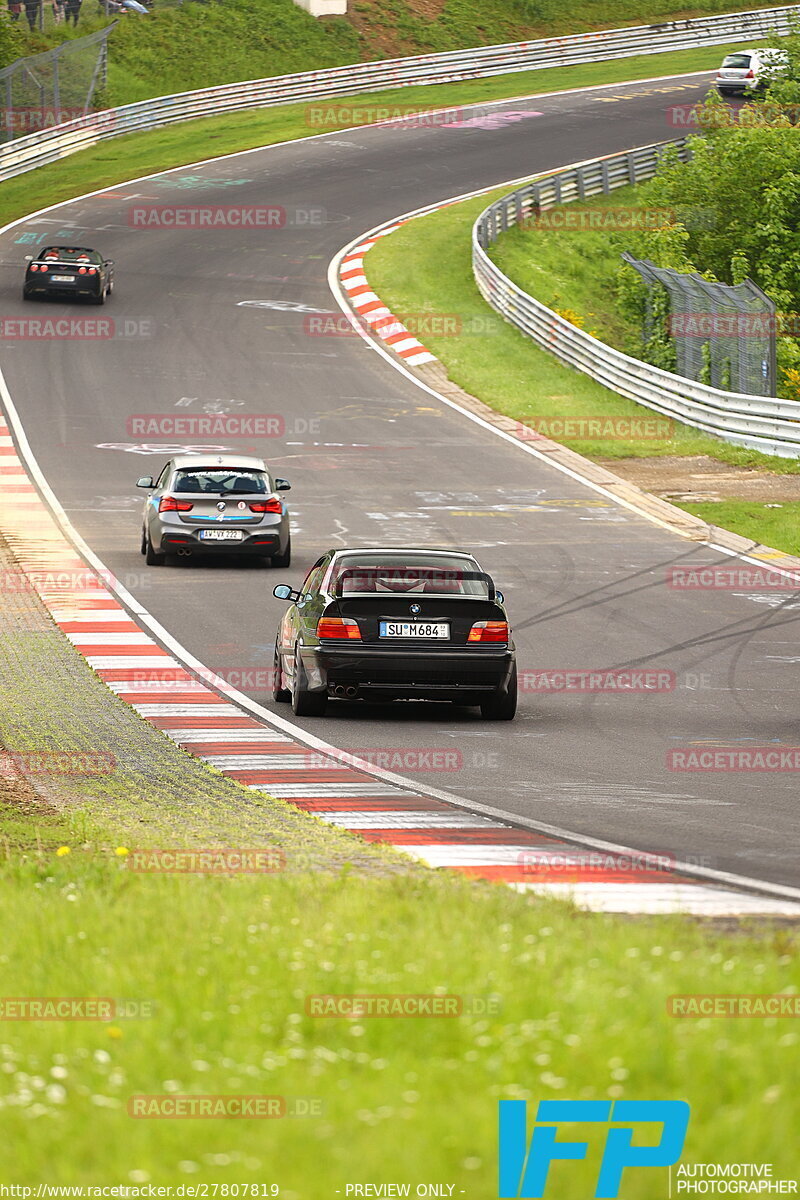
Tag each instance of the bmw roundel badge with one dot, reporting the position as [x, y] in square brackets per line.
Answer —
[415, 608]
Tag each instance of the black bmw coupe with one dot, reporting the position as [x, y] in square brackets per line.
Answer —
[391, 624]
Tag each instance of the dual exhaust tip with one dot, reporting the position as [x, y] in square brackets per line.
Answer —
[346, 693]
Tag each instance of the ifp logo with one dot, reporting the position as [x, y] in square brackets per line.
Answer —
[524, 1169]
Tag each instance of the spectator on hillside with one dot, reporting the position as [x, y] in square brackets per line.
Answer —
[14, 9]
[32, 12]
[58, 11]
[72, 8]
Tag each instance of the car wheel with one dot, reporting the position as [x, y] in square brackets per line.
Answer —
[152, 557]
[280, 694]
[304, 702]
[26, 296]
[284, 559]
[101, 299]
[143, 546]
[502, 706]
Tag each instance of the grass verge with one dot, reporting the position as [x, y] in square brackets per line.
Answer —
[772, 524]
[143, 153]
[225, 967]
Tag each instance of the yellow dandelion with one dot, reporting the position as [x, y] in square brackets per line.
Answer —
[122, 851]
[62, 850]
[114, 1031]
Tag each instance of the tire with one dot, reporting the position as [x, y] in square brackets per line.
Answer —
[152, 557]
[101, 299]
[143, 546]
[502, 706]
[284, 559]
[26, 296]
[304, 702]
[280, 695]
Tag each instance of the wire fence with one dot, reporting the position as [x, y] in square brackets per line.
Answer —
[58, 85]
[724, 335]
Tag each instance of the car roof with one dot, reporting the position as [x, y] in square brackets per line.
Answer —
[401, 550]
[215, 459]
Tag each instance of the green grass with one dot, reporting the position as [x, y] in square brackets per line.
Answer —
[226, 965]
[196, 45]
[574, 269]
[773, 525]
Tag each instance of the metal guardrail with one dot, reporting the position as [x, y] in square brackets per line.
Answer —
[761, 423]
[36, 150]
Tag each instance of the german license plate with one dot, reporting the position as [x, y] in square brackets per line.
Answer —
[221, 535]
[418, 630]
[63, 279]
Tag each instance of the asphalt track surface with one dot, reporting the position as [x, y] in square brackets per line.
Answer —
[375, 460]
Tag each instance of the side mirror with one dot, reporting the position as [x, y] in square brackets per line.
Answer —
[499, 597]
[282, 485]
[28, 258]
[108, 262]
[284, 592]
[146, 481]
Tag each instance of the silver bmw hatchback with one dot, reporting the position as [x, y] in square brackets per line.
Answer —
[213, 503]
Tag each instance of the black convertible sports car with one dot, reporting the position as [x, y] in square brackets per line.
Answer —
[64, 271]
[390, 624]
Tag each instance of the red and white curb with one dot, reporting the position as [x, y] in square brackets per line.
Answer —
[371, 309]
[206, 723]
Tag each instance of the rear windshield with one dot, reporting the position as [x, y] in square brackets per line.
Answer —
[736, 60]
[221, 481]
[63, 254]
[380, 575]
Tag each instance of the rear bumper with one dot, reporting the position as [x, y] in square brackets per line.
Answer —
[260, 541]
[62, 291]
[443, 674]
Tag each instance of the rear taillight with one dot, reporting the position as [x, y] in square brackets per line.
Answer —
[81, 270]
[267, 506]
[170, 504]
[489, 631]
[338, 627]
[750, 74]
[91, 271]
[34, 267]
[43, 267]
